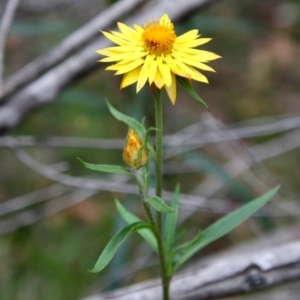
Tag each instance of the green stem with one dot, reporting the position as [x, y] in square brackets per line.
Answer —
[164, 270]
[158, 165]
[159, 142]
[149, 214]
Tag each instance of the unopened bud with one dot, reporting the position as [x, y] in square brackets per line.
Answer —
[134, 153]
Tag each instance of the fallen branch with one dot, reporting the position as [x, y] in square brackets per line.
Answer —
[75, 41]
[47, 86]
[7, 18]
[191, 202]
[29, 217]
[233, 275]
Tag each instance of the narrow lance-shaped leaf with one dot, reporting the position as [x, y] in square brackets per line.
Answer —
[113, 245]
[131, 122]
[187, 244]
[134, 124]
[105, 168]
[189, 88]
[224, 226]
[160, 205]
[131, 218]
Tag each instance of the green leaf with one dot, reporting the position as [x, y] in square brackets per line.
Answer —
[131, 218]
[171, 220]
[223, 226]
[131, 122]
[135, 125]
[188, 244]
[113, 245]
[180, 235]
[105, 168]
[160, 205]
[189, 88]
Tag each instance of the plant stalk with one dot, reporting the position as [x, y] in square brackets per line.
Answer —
[158, 168]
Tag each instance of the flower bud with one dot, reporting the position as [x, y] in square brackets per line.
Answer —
[134, 154]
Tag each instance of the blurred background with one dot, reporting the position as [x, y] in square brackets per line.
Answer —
[56, 216]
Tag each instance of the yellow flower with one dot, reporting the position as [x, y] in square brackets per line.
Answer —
[155, 54]
[134, 153]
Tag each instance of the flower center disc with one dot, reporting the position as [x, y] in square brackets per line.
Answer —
[158, 39]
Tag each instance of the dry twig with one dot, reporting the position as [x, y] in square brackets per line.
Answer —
[7, 18]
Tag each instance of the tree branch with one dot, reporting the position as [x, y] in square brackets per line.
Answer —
[47, 86]
[29, 217]
[7, 18]
[215, 205]
[75, 41]
[36, 197]
[195, 135]
[231, 275]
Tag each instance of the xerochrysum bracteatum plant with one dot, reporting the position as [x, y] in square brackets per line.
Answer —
[155, 56]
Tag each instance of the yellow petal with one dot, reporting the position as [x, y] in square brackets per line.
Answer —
[148, 61]
[159, 81]
[164, 70]
[193, 63]
[126, 30]
[196, 75]
[142, 81]
[119, 49]
[104, 51]
[172, 89]
[194, 43]
[181, 54]
[130, 77]
[116, 57]
[121, 35]
[115, 39]
[204, 67]
[144, 75]
[188, 36]
[174, 68]
[167, 75]
[184, 68]
[124, 68]
[152, 71]
[206, 56]
[200, 55]
[133, 56]
[138, 28]
[165, 20]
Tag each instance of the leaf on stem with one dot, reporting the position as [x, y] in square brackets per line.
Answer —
[131, 218]
[160, 205]
[223, 226]
[105, 168]
[113, 245]
[135, 125]
[131, 122]
[189, 88]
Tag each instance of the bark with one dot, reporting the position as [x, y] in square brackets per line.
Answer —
[233, 274]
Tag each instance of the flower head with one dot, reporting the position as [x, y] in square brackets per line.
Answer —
[134, 153]
[154, 54]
